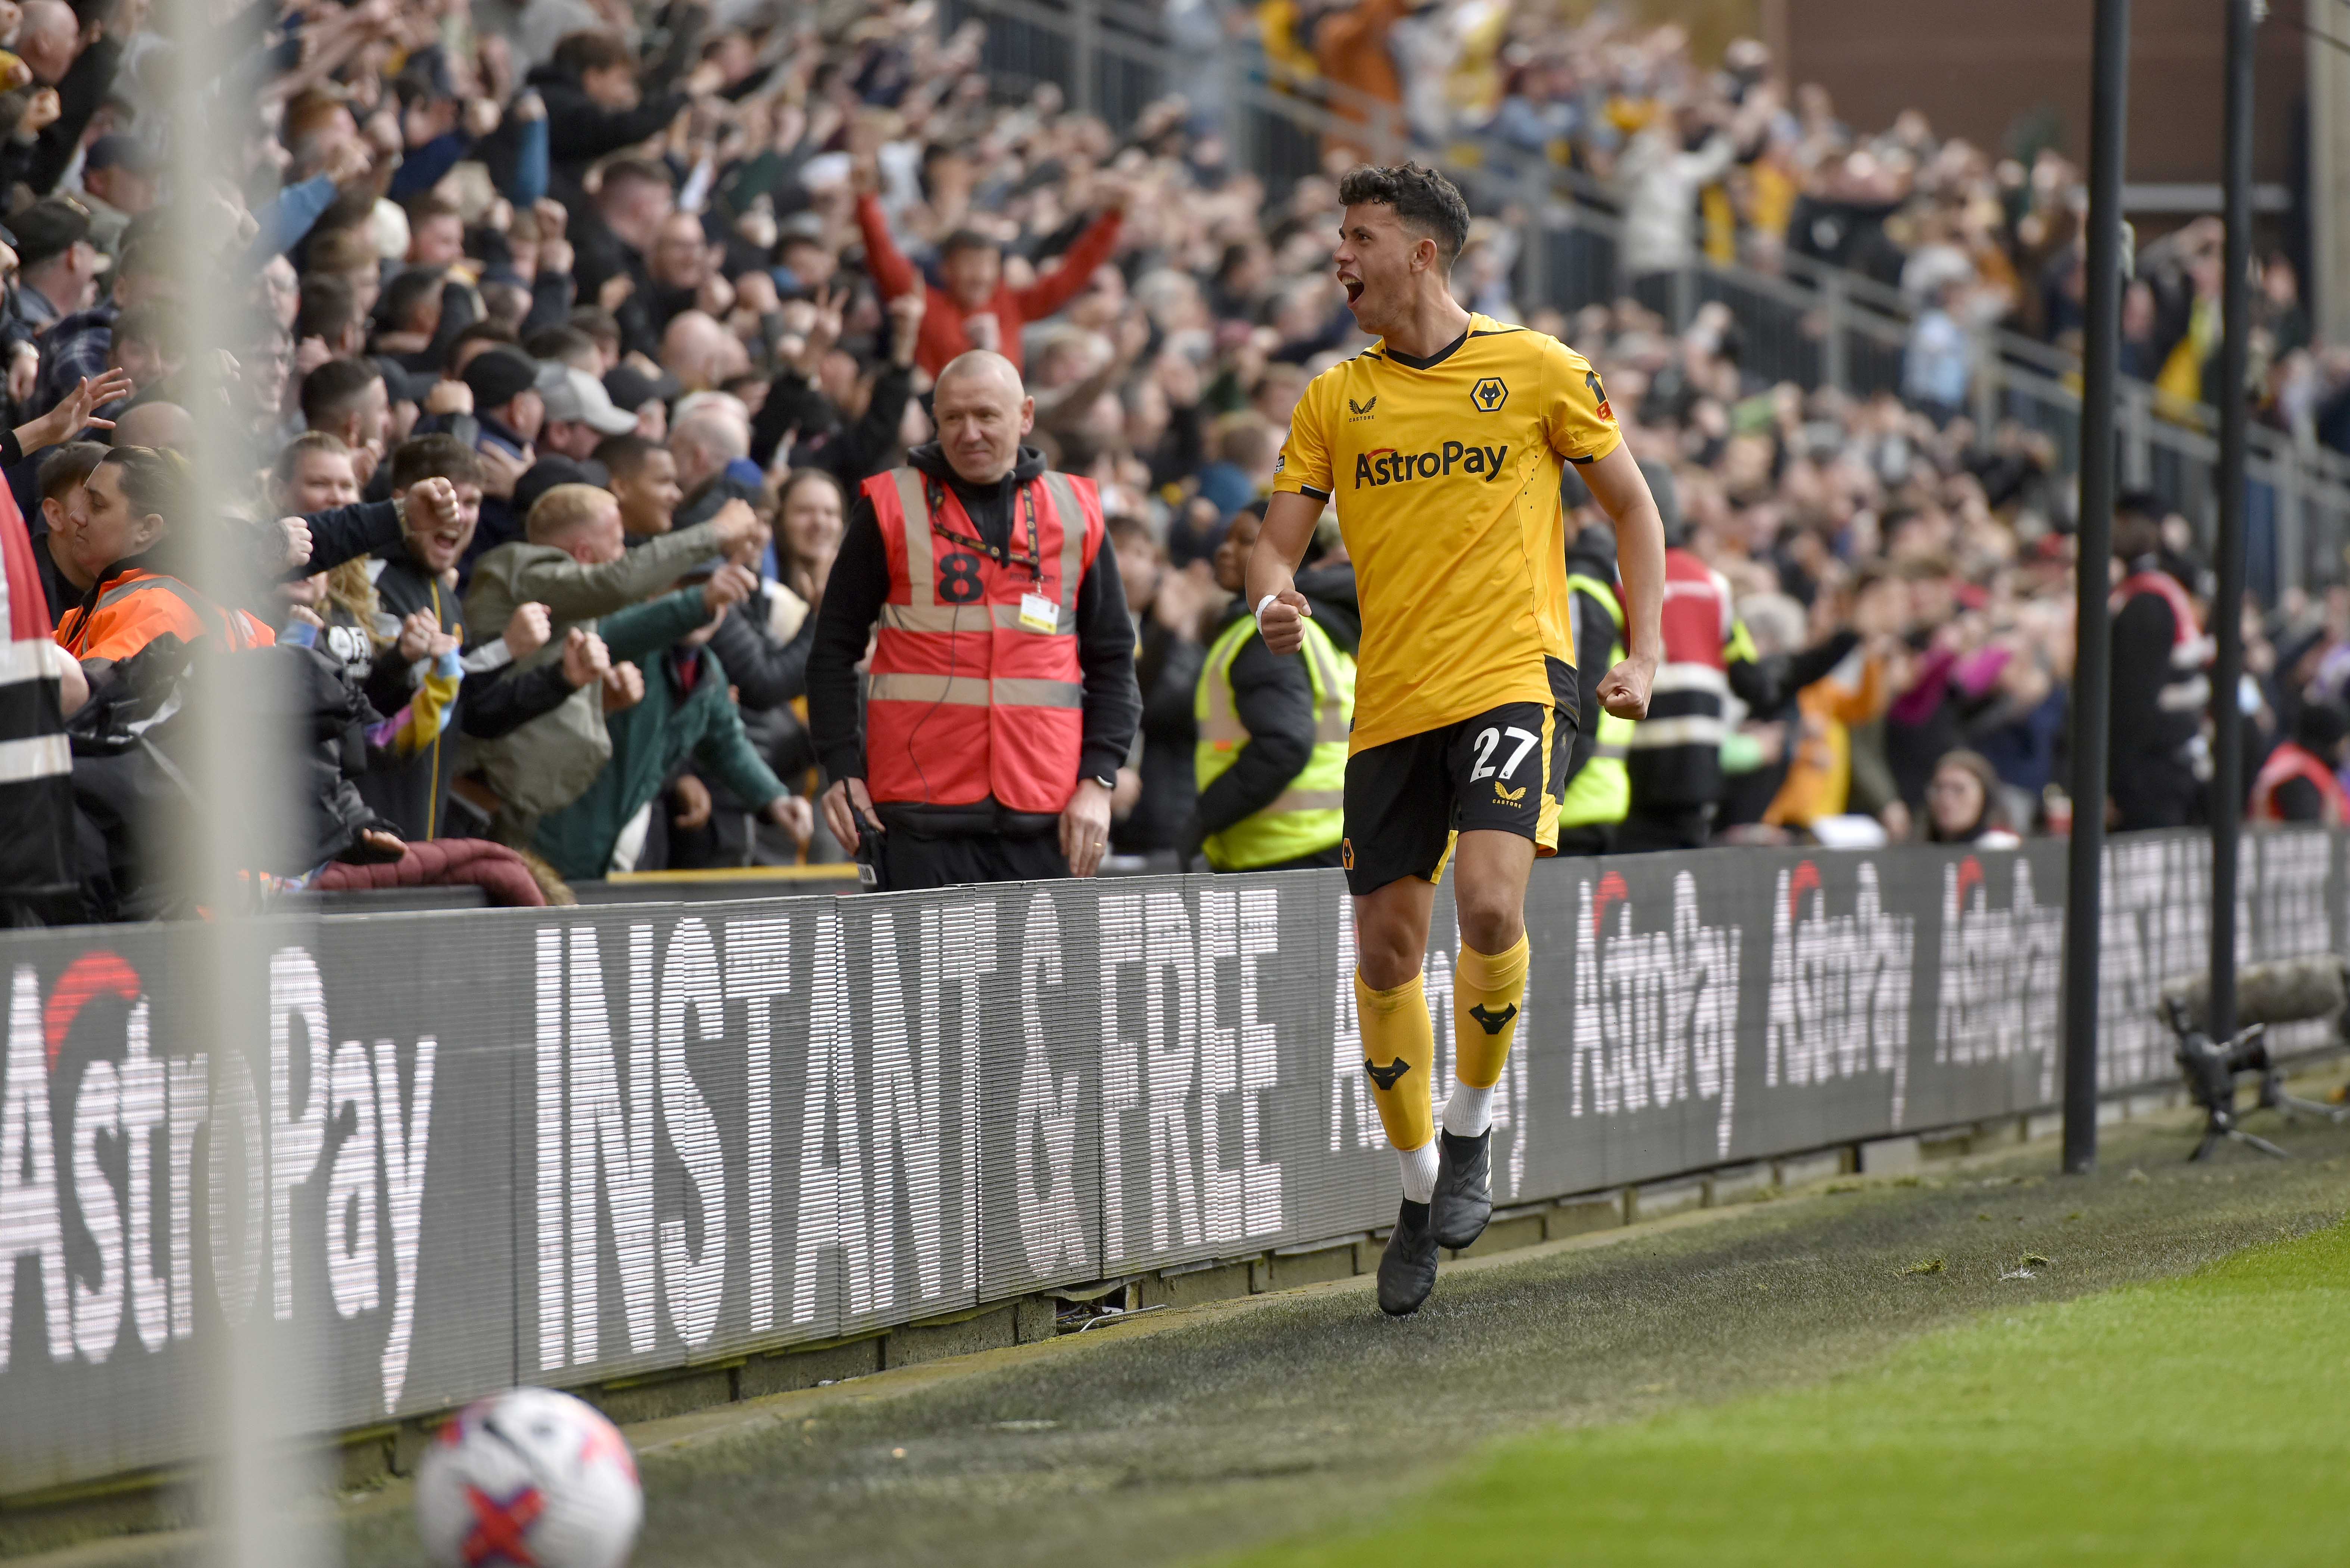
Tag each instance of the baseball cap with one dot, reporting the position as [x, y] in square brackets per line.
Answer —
[400, 384]
[575, 397]
[116, 151]
[49, 228]
[632, 388]
[498, 377]
[556, 469]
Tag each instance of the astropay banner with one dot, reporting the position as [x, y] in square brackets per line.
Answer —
[467, 1150]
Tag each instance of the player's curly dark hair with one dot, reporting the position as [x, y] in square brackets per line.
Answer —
[1425, 200]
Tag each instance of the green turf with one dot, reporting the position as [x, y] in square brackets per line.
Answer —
[1310, 1414]
[2195, 1420]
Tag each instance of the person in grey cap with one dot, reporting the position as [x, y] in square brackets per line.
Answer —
[57, 264]
[118, 183]
[579, 413]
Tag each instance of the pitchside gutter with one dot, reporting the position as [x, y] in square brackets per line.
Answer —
[677, 1155]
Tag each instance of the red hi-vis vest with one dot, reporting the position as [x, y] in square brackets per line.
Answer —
[971, 695]
[2292, 762]
[1674, 755]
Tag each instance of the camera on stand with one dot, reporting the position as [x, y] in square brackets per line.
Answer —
[2289, 991]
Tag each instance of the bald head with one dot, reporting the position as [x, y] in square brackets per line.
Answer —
[982, 411]
[156, 425]
[47, 39]
[699, 352]
[707, 438]
[985, 365]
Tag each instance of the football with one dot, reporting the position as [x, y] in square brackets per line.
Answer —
[532, 1478]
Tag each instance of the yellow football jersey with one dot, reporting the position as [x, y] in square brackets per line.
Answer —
[1445, 472]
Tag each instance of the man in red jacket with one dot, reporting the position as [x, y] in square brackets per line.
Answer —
[977, 309]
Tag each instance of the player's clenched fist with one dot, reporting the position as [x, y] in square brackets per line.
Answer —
[1278, 620]
[1624, 691]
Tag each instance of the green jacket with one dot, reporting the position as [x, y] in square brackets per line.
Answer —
[649, 741]
[544, 765]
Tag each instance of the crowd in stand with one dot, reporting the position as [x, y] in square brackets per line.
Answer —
[1728, 163]
[577, 329]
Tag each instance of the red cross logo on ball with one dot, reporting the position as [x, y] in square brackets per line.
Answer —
[500, 1525]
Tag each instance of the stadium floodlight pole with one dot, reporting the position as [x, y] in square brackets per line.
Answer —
[2094, 652]
[2228, 606]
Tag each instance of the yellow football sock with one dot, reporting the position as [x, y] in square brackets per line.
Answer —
[1399, 1053]
[1488, 990]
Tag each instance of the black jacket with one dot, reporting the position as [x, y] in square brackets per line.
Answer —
[1167, 670]
[767, 671]
[580, 130]
[2156, 720]
[819, 438]
[54, 585]
[859, 587]
[1592, 554]
[1768, 688]
[80, 93]
[131, 770]
[346, 532]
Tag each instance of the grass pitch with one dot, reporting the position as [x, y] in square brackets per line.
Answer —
[1769, 1381]
[1307, 1414]
[2199, 1420]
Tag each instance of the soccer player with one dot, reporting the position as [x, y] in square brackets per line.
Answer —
[1440, 445]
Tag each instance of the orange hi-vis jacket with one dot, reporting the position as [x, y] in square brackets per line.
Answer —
[976, 691]
[138, 606]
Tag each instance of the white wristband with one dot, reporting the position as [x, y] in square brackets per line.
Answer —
[1261, 603]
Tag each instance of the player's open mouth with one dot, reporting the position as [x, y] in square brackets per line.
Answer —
[1353, 288]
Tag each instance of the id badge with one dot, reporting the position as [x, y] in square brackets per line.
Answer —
[1038, 613]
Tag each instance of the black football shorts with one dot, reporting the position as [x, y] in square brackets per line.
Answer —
[1503, 770]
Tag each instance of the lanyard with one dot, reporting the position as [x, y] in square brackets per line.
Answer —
[934, 496]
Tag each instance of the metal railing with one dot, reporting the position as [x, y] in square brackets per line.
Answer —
[1810, 324]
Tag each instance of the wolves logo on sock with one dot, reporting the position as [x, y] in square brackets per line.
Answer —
[1386, 1077]
[1492, 1022]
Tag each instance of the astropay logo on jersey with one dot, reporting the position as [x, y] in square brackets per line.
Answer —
[1386, 465]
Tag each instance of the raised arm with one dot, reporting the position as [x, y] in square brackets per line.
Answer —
[889, 266]
[1289, 521]
[573, 591]
[1067, 281]
[1622, 492]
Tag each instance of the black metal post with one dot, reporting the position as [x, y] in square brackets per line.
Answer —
[2228, 608]
[2092, 659]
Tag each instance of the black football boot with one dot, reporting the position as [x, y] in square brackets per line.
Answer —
[1463, 1200]
[1408, 1268]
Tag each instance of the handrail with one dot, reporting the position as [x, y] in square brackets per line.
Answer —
[1836, 310]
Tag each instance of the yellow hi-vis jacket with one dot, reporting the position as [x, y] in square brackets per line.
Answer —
[1305, 818]
[1602, 792]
